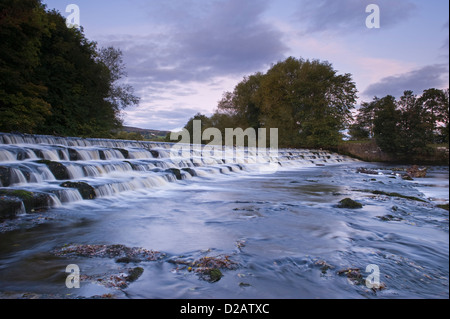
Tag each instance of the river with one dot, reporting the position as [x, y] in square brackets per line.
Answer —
[281, 230]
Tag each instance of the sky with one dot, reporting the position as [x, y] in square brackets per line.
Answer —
[182, 55]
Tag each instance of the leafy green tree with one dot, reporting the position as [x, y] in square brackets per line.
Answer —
[22, 25]
[306, 100]
[416, 132]
[78, 85]
[53, 80]
[205, 123]
[387, 124]
[243, 104]
[363, 126]
[436, 113]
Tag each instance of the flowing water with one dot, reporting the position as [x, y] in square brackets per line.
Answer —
[275, 215]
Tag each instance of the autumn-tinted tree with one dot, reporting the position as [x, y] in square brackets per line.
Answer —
[306, 100]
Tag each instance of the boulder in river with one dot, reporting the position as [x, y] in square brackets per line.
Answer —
[14, 201]
[349, 203]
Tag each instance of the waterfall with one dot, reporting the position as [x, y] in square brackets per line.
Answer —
[70, 169]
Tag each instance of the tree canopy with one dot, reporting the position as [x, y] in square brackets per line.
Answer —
[53, 80]
[405, 126]
[307, 101]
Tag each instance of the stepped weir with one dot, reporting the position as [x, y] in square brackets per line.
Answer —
[38, 172]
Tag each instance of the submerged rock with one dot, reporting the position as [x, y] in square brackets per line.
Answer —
[353, 275]
[212, 275]
[134, 274]
[115, 280]
[349, 203]
[363, 170]
[388, 218]
[443, 206]
[324, 266]
[120, 252]
[208, 268]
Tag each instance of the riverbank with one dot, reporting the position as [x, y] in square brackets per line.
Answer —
[368, 151]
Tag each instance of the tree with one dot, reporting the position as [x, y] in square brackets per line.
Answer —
[22, 25]
[306, 100]
[120, 95]
[243, 104]
[53, 80]
[363, 126]
[416, 132]
[205, 123]
[436, 113]
[386, 124]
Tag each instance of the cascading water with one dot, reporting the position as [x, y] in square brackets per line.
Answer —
[41, 164]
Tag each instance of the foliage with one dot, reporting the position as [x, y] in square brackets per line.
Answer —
[406, 126]
[306, 100]
[52, 79]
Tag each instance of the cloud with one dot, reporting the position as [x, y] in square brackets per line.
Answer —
[350, 15]
[209, 40]
[445, 44]
[184, 47]
[159, 117]
[431, 76]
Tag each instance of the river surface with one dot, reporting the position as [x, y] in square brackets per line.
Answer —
[278, 229]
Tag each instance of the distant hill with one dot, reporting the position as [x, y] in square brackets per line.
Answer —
[146, 133]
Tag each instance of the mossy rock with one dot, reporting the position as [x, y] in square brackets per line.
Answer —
[22, 194]
[444, 206]
[349, 203]
[11, 201]
[398, 195]
[86, 190]
[214, 275]
[134, 274]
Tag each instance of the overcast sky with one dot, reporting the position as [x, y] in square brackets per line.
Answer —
[182, 55]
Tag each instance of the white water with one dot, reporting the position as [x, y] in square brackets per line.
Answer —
[115, 166]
